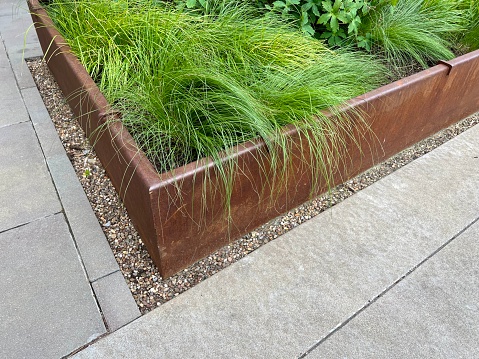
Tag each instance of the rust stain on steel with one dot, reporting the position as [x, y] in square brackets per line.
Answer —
[180, 227]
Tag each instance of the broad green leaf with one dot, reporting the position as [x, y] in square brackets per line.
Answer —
[342, 17]
[304, 18]
[308, 29]
[326, 35]
[337, 5]
[306, 6]
[334, 24]
[327, 5]
[190, 4]
[323, 19]
[279, 4]
[353, 27]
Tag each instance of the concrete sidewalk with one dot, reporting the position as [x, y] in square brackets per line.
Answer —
[61, 285]
[391, 272]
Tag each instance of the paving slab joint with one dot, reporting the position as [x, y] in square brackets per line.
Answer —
[83, 347]
[82, 225]
[115, 301]
[71, 232]
[386, 290]
[33, 220]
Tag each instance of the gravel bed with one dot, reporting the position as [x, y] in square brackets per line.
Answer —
[143, 278]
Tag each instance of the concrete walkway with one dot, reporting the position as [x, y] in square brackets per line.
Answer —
[391, 272]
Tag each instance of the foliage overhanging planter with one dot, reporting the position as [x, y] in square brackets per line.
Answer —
[180, 229]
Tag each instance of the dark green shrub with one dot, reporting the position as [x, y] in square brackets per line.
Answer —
[336, 21]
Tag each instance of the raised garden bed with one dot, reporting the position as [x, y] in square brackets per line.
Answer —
[175, 229]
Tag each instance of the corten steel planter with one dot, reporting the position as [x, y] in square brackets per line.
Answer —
[180, 229]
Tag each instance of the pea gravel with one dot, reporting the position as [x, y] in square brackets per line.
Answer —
[143, 278]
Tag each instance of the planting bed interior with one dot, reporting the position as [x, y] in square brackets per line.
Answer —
[181, 217]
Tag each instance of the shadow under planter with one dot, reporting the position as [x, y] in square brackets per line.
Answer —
[181, 217]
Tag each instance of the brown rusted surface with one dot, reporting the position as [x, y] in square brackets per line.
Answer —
[180, 223]
[129, 170]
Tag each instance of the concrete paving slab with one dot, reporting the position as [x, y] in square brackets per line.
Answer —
[21, 42]
[26, 189]
[13, 7]
[12, 109]
[19, 52]
[115, 299]
[4, 62]
[49, 140]
[35, 106]
[432, 313]
[92, 244]
[47, 308]
[17, 55]
[443, 203]
[287, 295]
[17, 29]
[436, 183]
[43, 125]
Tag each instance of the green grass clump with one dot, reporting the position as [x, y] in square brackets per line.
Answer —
[467, 15]
[470, 9]
[191, 86]
[415, 30]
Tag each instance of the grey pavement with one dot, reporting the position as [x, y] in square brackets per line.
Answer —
[61, 285]
[391, 272]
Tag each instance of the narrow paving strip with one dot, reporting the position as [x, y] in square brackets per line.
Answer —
[61, 286]
[286, 297]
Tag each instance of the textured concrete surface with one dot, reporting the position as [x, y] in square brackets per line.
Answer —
[433, 313]
[114, 297]
[11, 106]
[92, 244]
[47, 307]
[26, 189]
[284, 298]
[94, 248]
[12, 7]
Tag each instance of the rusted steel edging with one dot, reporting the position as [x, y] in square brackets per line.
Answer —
[181, 223]
[398, 115]
[129, 170]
